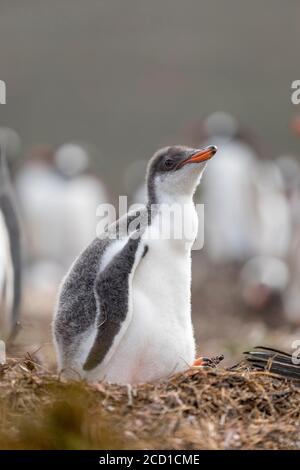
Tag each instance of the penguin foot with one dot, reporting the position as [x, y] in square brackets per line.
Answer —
[207, 361]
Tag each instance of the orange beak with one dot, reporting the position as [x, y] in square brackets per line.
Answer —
[201, 155]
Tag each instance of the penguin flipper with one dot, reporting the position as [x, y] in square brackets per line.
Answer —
[273, 360]
[112, 293]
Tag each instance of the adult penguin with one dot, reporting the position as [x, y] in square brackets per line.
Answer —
[10, 254]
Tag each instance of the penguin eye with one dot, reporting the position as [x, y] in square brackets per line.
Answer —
[168, 163]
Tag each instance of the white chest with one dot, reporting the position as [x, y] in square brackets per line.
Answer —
[163, 282]
[163, 277]
[159, 340]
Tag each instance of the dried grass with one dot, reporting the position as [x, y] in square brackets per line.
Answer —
[207, 409]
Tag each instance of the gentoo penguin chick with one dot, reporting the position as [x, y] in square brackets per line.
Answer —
[124, 308]
[10, 254]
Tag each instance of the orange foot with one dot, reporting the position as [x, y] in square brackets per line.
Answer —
[208, 362]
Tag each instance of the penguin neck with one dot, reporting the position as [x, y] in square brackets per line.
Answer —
[157, 197]
[176, 218]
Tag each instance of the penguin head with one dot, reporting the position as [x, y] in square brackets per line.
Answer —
[175, 172]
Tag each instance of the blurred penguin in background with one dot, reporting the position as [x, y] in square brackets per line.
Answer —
[290, 170]
[247, 217]
[83, 192]
[39, 187]
[229, 192]
[12, 145]
[10, 250]
[265, 276]
[59, 197]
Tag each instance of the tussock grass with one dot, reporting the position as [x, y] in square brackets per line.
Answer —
[207, 409]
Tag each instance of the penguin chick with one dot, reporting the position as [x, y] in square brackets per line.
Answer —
[124, 309]
[10, 255]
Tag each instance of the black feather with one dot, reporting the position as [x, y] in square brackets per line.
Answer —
[273, 360]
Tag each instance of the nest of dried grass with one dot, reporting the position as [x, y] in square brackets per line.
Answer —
[208, 409]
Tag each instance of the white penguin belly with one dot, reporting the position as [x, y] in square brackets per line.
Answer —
[159, 340]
